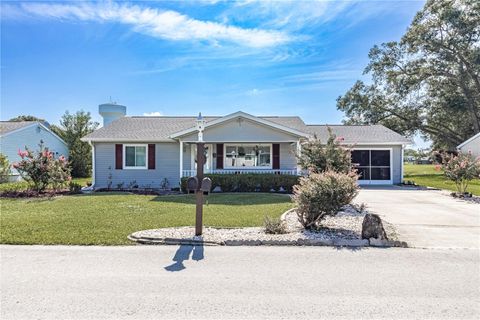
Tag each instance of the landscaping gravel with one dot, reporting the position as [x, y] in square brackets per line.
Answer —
[346, 225]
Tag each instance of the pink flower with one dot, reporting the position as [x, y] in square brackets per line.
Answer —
[438, 167]
[22, 154]
[15, 165]
[69, 178]
[340, 139]
[61, 158]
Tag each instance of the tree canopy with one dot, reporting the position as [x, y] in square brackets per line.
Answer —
[26, 118]
[72, 128]
[429, 81]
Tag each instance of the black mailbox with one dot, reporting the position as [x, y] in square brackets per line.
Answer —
[192, 184]
[206, 185]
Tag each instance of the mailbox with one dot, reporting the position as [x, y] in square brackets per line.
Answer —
[206, 185]
[192, 184]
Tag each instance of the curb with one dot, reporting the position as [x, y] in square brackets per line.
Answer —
[352, 243]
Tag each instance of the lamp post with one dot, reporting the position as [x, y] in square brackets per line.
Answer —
[200, 163]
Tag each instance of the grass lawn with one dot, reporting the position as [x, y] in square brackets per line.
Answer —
[426, 175]
[107, 218]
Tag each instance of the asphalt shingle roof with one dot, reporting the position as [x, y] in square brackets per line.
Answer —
[7, 126]
[358, 134]
[161, 128]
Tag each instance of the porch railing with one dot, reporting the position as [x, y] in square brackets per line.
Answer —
[189, 173]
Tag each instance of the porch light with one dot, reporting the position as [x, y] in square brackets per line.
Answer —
[200, 126]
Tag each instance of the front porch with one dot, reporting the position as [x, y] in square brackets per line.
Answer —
[241, 158]
[294, 172]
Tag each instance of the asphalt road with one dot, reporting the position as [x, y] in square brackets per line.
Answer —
[163, 282]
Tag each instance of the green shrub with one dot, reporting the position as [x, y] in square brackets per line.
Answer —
[5, 170]
[251, 182]
[460, 169]
[323, 194]
[74, 187]
[41, 169]
[274, 225]
[318, 157]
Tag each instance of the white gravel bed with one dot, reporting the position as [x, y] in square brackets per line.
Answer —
[346, 225]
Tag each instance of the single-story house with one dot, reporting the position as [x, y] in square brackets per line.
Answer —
[145, 150]
[16, 136]
[471, 145]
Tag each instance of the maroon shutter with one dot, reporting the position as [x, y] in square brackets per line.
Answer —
[276, 156]
[151, 156]
[118, 156]
[219, 155]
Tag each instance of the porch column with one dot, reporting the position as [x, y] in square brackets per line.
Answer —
[299, 151]
[181, 159]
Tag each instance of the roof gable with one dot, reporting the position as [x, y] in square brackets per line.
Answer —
[11, 127]
[263, 121]
[468, 140]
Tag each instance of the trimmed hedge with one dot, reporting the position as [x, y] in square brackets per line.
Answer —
[250, 182]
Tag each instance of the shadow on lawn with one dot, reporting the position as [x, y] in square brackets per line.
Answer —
[232, 199]
[183, 254]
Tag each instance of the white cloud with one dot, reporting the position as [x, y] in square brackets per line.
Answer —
[152, 114]
[253, 92]
[163, 24]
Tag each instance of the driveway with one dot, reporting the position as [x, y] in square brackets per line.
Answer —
[426, 218]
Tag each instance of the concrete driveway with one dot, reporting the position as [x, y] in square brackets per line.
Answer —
[426, 218]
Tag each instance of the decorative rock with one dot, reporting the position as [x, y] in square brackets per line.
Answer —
[372, 227]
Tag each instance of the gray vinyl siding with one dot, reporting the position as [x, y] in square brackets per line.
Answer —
[187, 155]
[242, 131]
[167, 165]
[288, 161]
[30, 137]
[397, 161]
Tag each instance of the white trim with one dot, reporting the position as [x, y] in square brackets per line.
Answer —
[247, 168]
[31, 125]
[125, 157]
[401, 165]
[468, 140]
[127, 140]
[93, 163]
[377, 182]
[181, 158]
[243, 115]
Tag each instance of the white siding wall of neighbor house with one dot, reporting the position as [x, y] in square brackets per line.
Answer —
[473, 146]
[242, 130]
[167, 165]
[30, 137]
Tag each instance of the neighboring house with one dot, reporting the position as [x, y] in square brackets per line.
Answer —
[471, 145]
[16, 136]
[146, 150]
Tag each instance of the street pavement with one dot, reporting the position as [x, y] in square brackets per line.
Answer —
[184, 282]
[426, 218]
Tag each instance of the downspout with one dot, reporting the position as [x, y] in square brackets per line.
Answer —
[402, 164]
[93, 163]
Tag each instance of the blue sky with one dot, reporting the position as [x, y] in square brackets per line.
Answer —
[179, 58]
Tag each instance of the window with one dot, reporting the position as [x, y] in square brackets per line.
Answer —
[248, 156]
[135, 157]
[372, 164]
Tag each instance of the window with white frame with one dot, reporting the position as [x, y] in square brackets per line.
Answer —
[135, 156]
[248, 156]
